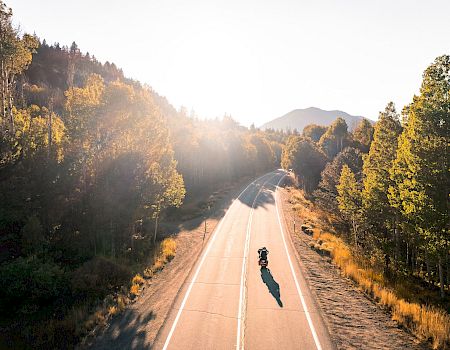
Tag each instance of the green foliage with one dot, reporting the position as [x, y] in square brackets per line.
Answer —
[421, 172]
[326, 193]
[314, 132]
[29, 283]
[349, 200]
[33, 236]
[376, 168]
[96, 277]
[401, 215]
[335, 139]
[15, 57]
[363, 135]
[306, 160]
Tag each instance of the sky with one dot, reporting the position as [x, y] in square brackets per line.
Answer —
[256, 59]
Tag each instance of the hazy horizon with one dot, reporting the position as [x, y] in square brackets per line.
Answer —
[256, 61]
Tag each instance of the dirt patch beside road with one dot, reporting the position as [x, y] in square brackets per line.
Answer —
[354, 321]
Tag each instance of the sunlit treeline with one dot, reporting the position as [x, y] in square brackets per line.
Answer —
[389, 185]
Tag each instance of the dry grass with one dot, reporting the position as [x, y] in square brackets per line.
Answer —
[168, 248]
[427, 323]
[113, 310]
[134, 290]
[121, 302]
[137, 280]
[158, 265]
[148, 273]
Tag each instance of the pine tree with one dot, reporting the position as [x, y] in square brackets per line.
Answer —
[363, 135]
[326, 193]
[306, 159]
[421, 170]
[349, 199]
[379, 215]
[335, 138]
[314, 132]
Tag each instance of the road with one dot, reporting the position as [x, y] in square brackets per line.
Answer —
[227, 302]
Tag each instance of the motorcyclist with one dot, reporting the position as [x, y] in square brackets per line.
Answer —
[262, 252]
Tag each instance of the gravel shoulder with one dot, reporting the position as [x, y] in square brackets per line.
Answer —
[354, 321]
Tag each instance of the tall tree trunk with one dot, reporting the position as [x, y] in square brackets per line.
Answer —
[3, 92]
[441, 277]
[448, 270]
[10, 98]
[407, 255]
[156, 229]
[427, 262]
[50, 124]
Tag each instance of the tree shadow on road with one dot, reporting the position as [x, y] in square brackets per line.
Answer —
[272, 285]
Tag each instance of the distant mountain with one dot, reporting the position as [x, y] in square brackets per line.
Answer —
[299, 118]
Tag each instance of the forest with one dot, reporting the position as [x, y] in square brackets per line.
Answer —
[386, 186]
[89, 161]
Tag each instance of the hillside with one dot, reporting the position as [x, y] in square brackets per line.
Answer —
[299, 118]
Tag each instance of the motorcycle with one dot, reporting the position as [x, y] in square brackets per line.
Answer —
[263, 263]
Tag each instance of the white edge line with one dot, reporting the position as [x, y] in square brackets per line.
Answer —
[299, 291]
[166, 344]
[244, 269]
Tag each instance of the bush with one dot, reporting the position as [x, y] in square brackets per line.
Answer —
[28, 283]
[134, 290]
[169, 248]
[98, 276]
[137, 280]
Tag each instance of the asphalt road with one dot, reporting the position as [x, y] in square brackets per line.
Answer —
[228, 302]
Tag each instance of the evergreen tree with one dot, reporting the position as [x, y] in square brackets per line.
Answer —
[421, 169]
[326, 193]
[379, 215]
[349, 199]
[306, 160]
[335, 138]
[314, 132]
[363, 135]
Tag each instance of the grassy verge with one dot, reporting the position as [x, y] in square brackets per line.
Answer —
[114, 304]
[425, 322]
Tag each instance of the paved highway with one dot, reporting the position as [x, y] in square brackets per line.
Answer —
[228, 302]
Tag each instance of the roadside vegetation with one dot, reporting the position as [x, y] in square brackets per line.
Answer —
[383, 191]
[401, 297]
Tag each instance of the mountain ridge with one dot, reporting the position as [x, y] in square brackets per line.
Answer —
[299, 118]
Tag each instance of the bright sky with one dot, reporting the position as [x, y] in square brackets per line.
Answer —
[256, 59]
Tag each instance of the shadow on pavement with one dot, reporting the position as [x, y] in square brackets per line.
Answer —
[266, 194]
[272, 285]
[265, 197]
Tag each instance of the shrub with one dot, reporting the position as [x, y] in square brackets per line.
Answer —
[137, 280]
[134, 290]
[98, 276]
[112, 310]
[168, 248]
[28, 283]
[121, 302]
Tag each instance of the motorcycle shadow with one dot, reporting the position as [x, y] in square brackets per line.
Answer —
[272, 285]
